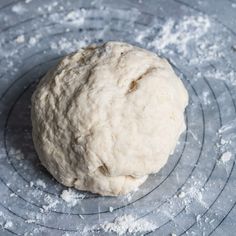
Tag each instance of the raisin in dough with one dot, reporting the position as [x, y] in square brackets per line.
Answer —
[108, 116]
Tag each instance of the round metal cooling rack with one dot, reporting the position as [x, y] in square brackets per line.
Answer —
[194, 193]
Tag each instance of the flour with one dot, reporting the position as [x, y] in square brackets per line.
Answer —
[65, 45]
[179, 33]
[181, 195]
[75, 18]
[228, 127]
[225, 157]
[34, 39]
[228, 75]
[205, 98]
[17, 154]
[13, 195]
[40, 183]
[51, 203]
[191, 194]
[30, 221]
[20, 39]
[71, 197]
[187, 37]
[19, 9]
[111, 209]
[226, 141]
[50, 7]
[8, 225]
[128, 224]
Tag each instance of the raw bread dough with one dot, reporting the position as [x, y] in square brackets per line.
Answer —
[107, 116]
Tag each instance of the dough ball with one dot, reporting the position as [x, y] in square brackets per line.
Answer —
[108, 116]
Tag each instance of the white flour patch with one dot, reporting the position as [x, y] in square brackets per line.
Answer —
[19, 9]
[65, 45]
[225, 157]
[30, 221]
[34, 39]
[190, 28]
[127, 224]
[205, 98]
[222, 75]
[71, 197]
[40, 183]
[20, 39]
[75, 18]
[51, 203]
[181, 195]
[8, 225]
[177, 33]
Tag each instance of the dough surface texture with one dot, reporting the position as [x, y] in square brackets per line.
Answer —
[108, 116]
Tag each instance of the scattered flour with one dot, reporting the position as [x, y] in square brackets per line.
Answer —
[17, 153]
[129, 197]
[75, 17]
[8, 225]
[20, 39]
[19, 9]
[198, 218]
[177, 33]
[30, 221]
[188, 37]
[51, 203]
[34, 39]
[128, 224]
[40, 183]
[111, 209]
[71, 197]
[229, 75]
[193, 193]
[212, 221]
[65, 45]
[181, 195]
[225, 157]
[226, 140]
[51, 6]
[205, 98]
[229, 127]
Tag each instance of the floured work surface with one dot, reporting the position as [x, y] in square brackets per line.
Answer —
[194, 194]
